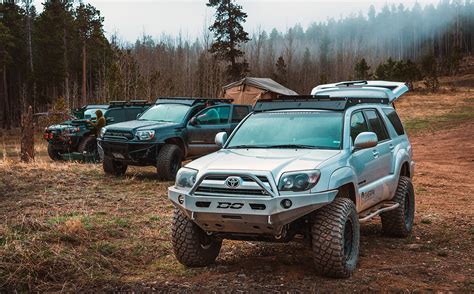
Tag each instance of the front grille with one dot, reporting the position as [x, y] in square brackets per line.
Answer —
[213, 190]
[215, 185]
[264, 179]
[119, 133]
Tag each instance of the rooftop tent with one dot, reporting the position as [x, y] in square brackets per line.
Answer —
[250, 90]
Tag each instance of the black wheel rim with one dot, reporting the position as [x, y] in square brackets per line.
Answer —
[175, 165]
[348, 239]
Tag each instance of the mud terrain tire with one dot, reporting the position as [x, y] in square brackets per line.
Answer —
[113, 167]
[335, 235]
[168, 162]
[53, 153]
[399, 222]
[191, 245]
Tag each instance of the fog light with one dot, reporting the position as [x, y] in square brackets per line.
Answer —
[181, 199]
[286, 203]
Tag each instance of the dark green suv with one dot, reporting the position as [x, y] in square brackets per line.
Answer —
[173, 130]
[78, 134]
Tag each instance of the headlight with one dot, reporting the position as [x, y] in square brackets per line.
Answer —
[102, 132]
[299, 181]
[186, 177]
[145, 135]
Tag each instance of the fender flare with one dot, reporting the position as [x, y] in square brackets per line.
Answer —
[343, 176]
[177, 138]
[400, 158]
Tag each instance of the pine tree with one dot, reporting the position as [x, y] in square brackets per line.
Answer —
[229, 35]
[429, 68]
[89, 23]
[362, 69]
[281, 71]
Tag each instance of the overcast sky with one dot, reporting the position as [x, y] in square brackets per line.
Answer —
[154, 17]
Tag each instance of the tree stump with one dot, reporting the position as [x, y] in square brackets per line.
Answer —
[27, 136]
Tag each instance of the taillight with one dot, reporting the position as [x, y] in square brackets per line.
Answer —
[51, 135]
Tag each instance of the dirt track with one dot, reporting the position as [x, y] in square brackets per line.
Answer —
[67, 226]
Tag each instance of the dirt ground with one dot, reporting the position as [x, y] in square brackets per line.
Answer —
[67, 227]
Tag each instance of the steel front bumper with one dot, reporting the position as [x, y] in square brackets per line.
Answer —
[242, 214]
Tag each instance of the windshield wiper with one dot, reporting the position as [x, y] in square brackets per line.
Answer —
[298, 146]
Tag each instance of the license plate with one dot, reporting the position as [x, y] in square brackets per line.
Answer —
[118, 155]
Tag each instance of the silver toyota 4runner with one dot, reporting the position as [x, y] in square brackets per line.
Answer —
[314, 166]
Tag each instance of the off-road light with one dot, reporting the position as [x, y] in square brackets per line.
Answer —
[286, 203]
[181, 199]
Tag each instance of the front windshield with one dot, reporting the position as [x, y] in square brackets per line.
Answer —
[166, 112]
[290, 129]
[90, 113]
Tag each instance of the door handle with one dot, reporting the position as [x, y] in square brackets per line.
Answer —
[375, 153]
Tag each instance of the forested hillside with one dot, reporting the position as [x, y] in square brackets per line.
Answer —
[63, 53]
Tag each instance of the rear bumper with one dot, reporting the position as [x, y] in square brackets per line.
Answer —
[241, 214]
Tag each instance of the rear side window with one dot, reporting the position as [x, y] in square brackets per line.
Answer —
[239, 113]
[132, 112]
[376, 125]
[394, 120]
[358, 125]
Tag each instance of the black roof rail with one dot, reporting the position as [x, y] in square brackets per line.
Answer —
[117, 103]
[129, 103]
[138, 102]
[313, 102]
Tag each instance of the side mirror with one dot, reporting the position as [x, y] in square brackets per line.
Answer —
[138, 115]
[220, 139]
[365, 140]
[110, 120]
[193, 121]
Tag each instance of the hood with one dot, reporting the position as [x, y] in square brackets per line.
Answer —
[140, 124]
[274, 160]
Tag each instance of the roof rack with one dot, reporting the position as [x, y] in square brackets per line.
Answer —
[313, 102]
[191, 101]
[129, 103]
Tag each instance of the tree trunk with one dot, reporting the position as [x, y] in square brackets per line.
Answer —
[6, 112]
[27, 136]
[84, 75]
[66, 70]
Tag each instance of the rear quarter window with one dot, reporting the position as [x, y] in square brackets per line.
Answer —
[394, 120]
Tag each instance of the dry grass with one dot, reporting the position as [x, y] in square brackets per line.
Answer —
[68, 227]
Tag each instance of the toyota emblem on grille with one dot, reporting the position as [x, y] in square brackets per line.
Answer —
[233, 182]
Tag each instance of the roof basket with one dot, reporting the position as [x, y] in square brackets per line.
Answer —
[321, 102]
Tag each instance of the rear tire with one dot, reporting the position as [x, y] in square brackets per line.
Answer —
[113, 167]
[399, 222]
[335, 234]
[168, 162]
[191, 245]
[54, 153]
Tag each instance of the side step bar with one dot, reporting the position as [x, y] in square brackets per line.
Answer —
[377, 209]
